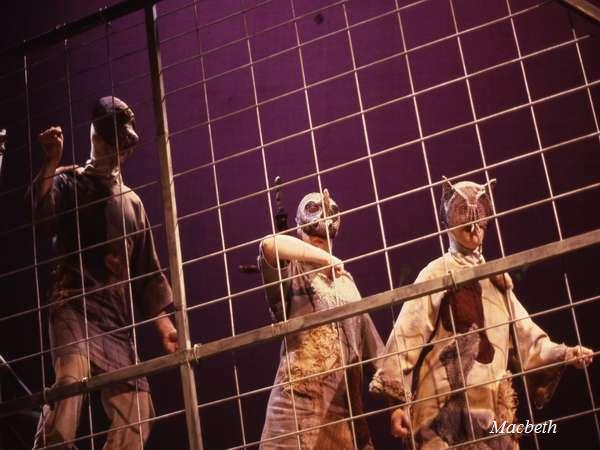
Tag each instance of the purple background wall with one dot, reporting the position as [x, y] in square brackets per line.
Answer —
[96, 64]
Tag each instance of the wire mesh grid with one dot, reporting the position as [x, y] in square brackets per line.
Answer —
[376, 101]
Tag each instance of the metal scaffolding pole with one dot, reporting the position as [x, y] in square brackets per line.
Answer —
[188, 382]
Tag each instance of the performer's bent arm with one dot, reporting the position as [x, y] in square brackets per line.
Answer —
[152, 291]
[52, 146]
[290, 248]
[168, 333]
[412, 329]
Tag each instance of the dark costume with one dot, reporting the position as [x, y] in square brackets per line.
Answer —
[104, 262]
[90, 296]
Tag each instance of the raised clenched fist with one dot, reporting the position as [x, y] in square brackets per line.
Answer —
[400, 423]
[51, 141]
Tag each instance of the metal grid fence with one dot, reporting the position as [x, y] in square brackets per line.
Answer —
[230, 49]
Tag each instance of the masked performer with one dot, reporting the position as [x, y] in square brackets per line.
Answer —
[474, 357]
[305, 400]
[91, 297]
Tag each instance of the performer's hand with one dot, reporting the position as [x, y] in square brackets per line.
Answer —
[400, 423]
[51, 141]
[338, 267]
[579, 356]
[169, 341]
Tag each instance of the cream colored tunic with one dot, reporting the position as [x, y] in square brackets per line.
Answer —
[313, 394]
[440, 420]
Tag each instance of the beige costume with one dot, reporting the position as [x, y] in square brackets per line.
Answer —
[439, 421]
[310, 402]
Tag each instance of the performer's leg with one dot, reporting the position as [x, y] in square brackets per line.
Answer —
[59, 421]
[121, 406]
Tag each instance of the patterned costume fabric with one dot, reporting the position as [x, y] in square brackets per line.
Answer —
[446, 420]
[107, 206]
[311, 401]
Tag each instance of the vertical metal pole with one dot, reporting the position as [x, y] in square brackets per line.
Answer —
[170, 208]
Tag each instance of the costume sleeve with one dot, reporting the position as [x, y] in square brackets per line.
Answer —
[55, 201]
[372, 343]
[412, 329]
[537, 350]
[152, 293]
[270, 274]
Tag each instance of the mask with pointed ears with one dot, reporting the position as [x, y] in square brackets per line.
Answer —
[466, 202]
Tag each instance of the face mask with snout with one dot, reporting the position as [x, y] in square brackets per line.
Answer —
[318, 215]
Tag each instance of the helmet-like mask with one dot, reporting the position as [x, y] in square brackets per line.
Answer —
[466, 202]
[314, 215]
[114, 121]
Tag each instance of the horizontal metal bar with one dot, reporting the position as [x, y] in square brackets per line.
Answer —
[64, 31]
[400, 294]
[301, 323]
[239, 294]
[387, 409]
[96, 382]
[367, 361]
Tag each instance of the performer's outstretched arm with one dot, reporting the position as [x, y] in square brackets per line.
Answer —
[538, 350]
[290, 248]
